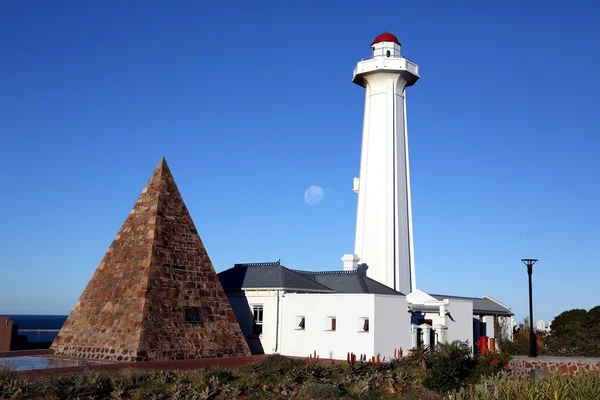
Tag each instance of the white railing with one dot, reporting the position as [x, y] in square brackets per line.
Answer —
[410, 66]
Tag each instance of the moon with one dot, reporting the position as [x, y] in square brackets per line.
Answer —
[314, 195]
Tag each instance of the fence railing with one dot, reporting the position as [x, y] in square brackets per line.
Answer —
[42, 334]
[391, 56]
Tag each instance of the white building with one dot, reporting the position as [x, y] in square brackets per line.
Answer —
[297, 312]
[373, 307]
[488, 317]
[542, 327]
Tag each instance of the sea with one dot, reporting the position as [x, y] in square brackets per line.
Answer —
[38, 328]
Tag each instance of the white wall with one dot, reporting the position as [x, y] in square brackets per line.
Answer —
[391, 325]
[419, 297]
[459, 322]
[435, 318]
[383, 232]
[380, 49]
[242, 307]
[347, 308]
[462, 326]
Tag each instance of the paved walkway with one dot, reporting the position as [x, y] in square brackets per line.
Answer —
[227, 362]
[23, 353]
[109, 366]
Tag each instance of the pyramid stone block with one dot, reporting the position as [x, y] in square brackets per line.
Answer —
[155, 294]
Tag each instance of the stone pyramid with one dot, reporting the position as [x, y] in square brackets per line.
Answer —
[155, 294]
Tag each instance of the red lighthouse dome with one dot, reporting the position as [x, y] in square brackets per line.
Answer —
[385, 37]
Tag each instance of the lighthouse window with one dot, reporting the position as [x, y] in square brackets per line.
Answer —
[388, 53]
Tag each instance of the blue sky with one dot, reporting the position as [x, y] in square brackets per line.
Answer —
[252, 102]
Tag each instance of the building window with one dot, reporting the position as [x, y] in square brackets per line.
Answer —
[192, 315]
[300, 323]
[257, 320]
[363, 324]
[330, 324]
[387, 53]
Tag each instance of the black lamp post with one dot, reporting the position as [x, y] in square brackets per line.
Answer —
[532, 346]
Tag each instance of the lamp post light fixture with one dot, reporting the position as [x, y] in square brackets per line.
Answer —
[532, 345]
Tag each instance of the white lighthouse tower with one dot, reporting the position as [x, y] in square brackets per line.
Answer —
[384, 238]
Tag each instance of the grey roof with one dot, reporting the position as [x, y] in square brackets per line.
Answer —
[481, 305]
[348, 282]
[266, 276]
[274, 275]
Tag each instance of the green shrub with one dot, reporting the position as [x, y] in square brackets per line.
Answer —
[151, 389]
[223, 375]
[449, 366]
[373, 394]
[6, 372]
[71, 386]
[10, 386]
[277, 363]
[519, 346]
[485, 366]
[574, 333]
[318, 390]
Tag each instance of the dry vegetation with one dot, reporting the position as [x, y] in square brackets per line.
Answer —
[448, 372]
